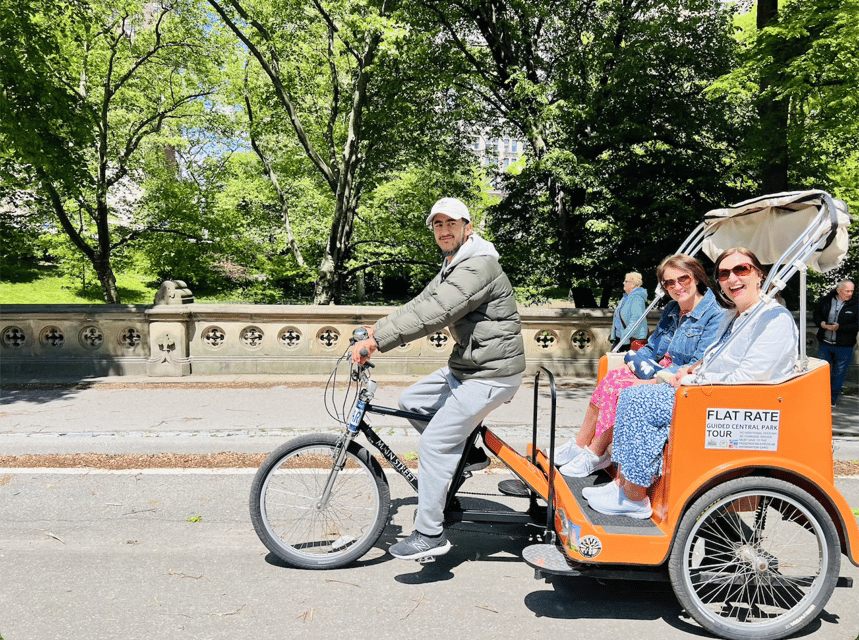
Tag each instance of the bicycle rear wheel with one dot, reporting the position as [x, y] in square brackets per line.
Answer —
[288, 518]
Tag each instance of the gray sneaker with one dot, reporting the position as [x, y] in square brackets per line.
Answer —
[418, 546]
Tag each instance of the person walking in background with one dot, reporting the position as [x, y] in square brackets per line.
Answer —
[631, 308]
[837, 319]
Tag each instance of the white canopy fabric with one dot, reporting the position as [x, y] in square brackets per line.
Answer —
[769, 225]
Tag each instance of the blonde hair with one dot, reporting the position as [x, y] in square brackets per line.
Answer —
[634, 277]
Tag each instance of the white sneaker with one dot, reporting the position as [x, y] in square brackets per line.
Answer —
[565, 453]
[620, 505]
[585, 464]
[610, 489]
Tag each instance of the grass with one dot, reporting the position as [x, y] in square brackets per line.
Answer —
[51, 289]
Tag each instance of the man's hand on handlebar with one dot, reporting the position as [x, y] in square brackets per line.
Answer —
[363, 349]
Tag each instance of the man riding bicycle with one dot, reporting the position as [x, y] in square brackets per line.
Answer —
[471, 296]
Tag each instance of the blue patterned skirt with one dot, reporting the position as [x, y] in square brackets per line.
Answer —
[641, 430]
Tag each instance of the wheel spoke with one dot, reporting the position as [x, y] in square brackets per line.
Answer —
[754, 561]
[288, 516]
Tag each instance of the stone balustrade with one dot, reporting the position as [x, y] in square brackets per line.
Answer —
[180, 339]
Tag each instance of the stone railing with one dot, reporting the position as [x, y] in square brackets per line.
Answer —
[174, 339]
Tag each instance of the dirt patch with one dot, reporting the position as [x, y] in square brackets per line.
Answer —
[846, 468]
[224, 460]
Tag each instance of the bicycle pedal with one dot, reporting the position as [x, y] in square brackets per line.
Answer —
[425, 560]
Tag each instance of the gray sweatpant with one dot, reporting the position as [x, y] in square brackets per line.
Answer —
[459, 407]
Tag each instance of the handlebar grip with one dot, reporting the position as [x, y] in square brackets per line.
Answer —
[364, 353]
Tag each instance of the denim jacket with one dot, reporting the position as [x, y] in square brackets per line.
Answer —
[684, 340]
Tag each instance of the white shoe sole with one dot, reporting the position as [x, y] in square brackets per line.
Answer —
[571, 472]
[637, 515]
[611, 510]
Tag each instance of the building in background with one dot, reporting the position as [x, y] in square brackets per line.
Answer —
[496, 154]
[500, 152]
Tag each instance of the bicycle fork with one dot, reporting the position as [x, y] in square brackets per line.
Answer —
[345, 440]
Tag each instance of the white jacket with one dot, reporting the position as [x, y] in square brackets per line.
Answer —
[766, 349]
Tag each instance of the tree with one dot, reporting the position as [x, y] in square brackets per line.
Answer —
[798, 71]
[343, 74]
[626, 149]
[87, 88]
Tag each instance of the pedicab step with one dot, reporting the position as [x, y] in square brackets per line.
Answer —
[548, 560]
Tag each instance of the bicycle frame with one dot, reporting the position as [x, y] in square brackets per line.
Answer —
[533, 474]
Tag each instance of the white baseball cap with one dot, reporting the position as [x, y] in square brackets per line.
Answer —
[451, 207]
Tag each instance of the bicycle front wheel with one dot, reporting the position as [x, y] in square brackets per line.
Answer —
[292, 521]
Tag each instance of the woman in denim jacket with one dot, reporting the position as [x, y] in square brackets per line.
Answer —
[687, 327]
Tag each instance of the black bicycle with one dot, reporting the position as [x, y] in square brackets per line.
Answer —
[321, 501]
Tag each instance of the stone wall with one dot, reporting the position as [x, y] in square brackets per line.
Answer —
[42, 342]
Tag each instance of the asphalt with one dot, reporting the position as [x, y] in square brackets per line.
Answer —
[164, 555]
[171, 553]
[256, 413]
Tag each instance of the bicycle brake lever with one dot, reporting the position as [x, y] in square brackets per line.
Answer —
[364, 353]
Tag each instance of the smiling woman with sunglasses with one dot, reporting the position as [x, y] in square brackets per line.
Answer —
[687, 327]
[765, 348]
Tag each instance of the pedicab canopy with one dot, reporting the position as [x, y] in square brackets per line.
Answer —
[770, 225]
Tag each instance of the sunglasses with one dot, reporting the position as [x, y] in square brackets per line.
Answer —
[739, 270]
[682, 281]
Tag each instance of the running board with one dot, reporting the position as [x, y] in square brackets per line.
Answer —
[547, 560]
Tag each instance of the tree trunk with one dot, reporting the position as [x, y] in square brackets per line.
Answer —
[107, 279]
[772, 120]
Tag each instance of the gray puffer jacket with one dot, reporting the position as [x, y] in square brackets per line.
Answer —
[473, 297]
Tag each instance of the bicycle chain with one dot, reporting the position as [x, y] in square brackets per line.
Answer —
[476, 493]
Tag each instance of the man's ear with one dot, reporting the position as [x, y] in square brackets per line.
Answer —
[468, 230]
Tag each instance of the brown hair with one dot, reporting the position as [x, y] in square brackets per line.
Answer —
[685, 263]
[722, 299]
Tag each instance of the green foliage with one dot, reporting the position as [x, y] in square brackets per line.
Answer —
[807, 59]
[146, 137]
[42, 285]
[87, 86]
[626, 150]
[20, 249]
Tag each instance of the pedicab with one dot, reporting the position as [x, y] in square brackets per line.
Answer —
[747, 523]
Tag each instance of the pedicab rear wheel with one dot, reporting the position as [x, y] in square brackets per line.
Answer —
[755, 559]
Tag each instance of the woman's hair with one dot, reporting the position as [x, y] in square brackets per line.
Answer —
[634, 277]
[722, 299]
[685, 263]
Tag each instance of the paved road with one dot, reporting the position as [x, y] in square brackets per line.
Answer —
[254, 414]
[106, 555]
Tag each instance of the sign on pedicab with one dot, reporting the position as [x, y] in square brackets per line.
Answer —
[742, 429]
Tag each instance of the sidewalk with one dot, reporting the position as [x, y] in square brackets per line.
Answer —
[256, 413]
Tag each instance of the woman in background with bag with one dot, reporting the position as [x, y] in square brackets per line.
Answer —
[631, 308]
[687, 327]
